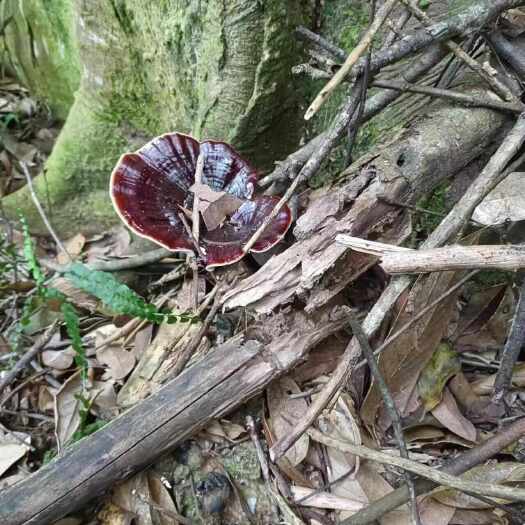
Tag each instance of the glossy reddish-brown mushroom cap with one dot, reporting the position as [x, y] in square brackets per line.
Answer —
[149, 189]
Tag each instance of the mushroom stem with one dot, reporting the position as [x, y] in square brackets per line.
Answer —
[195, 212]
[195, 228]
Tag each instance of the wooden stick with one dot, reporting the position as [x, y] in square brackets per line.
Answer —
[42, 213]
[396, 259]
[353, 57]
[456, 96]
[390, 405]
[438, 476]
[511, 351]
[39, 345]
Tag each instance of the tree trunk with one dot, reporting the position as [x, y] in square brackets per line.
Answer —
[215, 69]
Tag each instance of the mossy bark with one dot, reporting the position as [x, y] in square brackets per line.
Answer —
[216, 69]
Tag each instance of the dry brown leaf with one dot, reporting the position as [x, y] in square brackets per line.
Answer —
[67, 415]
[12, 449]
[225, 429]
[340, 464]
[485, 322]
[433, 512]
[133, 496]
[160, 496]
[215, 206]
[402, 361]
[104, 404]
[485, 385]
[58, 359]
[375, 487]
[73, 247]
[119, 362]
[78, 297]
[449, 415]
[476, 517]
[285, 414]
[324, 500]
[142, 340]
[46, 400]
[112, 514]
[492, 472]
[114, 243]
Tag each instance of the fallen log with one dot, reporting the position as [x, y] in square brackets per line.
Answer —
[224, 379]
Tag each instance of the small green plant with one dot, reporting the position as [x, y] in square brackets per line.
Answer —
[118, 296]
[48, 293]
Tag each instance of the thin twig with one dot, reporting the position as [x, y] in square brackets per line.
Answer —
[456, 466]
[390, 406]
[438, 476]
[42, 213]
[511, 350]
[357, 119]
[353, 57]
[40, 343]
[456, 96]
[336, 52]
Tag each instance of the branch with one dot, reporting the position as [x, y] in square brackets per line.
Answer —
[396, 259]
[388, 400]
[28, 356]
[511, 350]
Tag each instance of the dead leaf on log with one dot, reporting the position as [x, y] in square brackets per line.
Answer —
[214, 206]
[285, 413]
[443, 365]
[403, 360]
[449, 415]
[149, 372]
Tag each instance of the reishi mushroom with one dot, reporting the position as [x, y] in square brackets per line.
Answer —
[150, 189]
